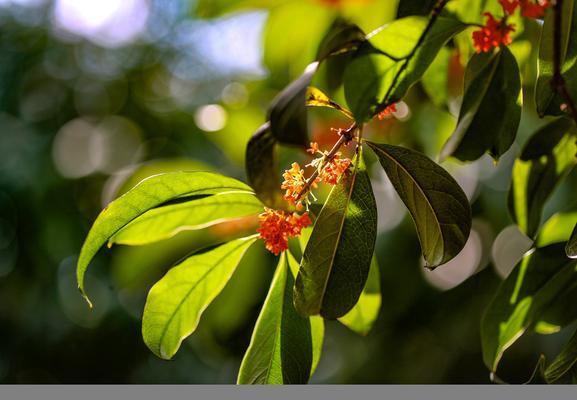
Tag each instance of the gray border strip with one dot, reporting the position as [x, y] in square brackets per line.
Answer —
[316, 392]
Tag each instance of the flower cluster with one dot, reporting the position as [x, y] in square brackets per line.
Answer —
[493, 34]
[496, 32]
[529, 9]
[276, 226]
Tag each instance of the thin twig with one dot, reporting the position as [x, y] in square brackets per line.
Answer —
[432, 19]
[346, 136]
[558, 82]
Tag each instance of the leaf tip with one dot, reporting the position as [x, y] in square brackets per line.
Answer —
[85, 297]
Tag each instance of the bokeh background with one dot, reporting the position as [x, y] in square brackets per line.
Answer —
[96, 95]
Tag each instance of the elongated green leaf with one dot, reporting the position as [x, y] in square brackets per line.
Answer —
[261, 168]
[336, 262]
[489, 115]
[571, 248]
[564, 368]
[288, 114]
[547, 99]
[414, 7]
[148, 194]
[436, 80]
[535, 283]
[369, 77]
[364, 314]
[316, 98]
[436, 202]
[547, 157]
[176, 302]
[282, 349]
[557, 229]
[166, 221]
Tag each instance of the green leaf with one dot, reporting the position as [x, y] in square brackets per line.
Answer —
[364, 314]
[340, 38]
[288, 114]
[535, 283]
[372, 75]
[336, 261]
[261, 168]
[571, 248]
[175, 303]
[166, 221]
[548, 100]
[436, 202]
[557, 229]
[442, 30]
[415, 7]
[316, 98]
[149, 193]
[284, 345]
[489, 115]
[546, 159]
[367, 78]
[563, 369]
[436, 80]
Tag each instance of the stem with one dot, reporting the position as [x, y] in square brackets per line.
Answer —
[346, 137]
[558, 82]
[432, 19]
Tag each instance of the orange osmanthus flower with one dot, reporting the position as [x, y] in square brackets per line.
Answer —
[276, 226]
[334, 169]
[493, 34]
[387, 111]
[294, 181]
[509, 6]
[533, 10]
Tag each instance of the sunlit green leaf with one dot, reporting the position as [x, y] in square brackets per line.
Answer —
[436, 80]
[489, 115]
[523, 297]
[316, 98]
[337, 258]
[364, 314]
[571, 248]
[436, 202]
[557, 229]
[149, 193]
[282, 349]
[545, 160]
[563, 369]
[175, 303]
[547, 99]
[166, 221]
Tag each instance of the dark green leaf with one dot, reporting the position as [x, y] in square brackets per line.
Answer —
[571, 248]
[316, 98]
[149, 193]
[337, 259]
[363, 315]
[535, 283]
[564, 368]
[284, 345]
[546, 158]
[261, 168]
[548, 100]
[490, 114]
[414, 7]
[176, 302]
[436, 202]
[288, 114]
[166, 221]
[341, 37]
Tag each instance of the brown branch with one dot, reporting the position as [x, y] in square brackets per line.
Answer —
[432, 19]
[347, 135]
[558, 82]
